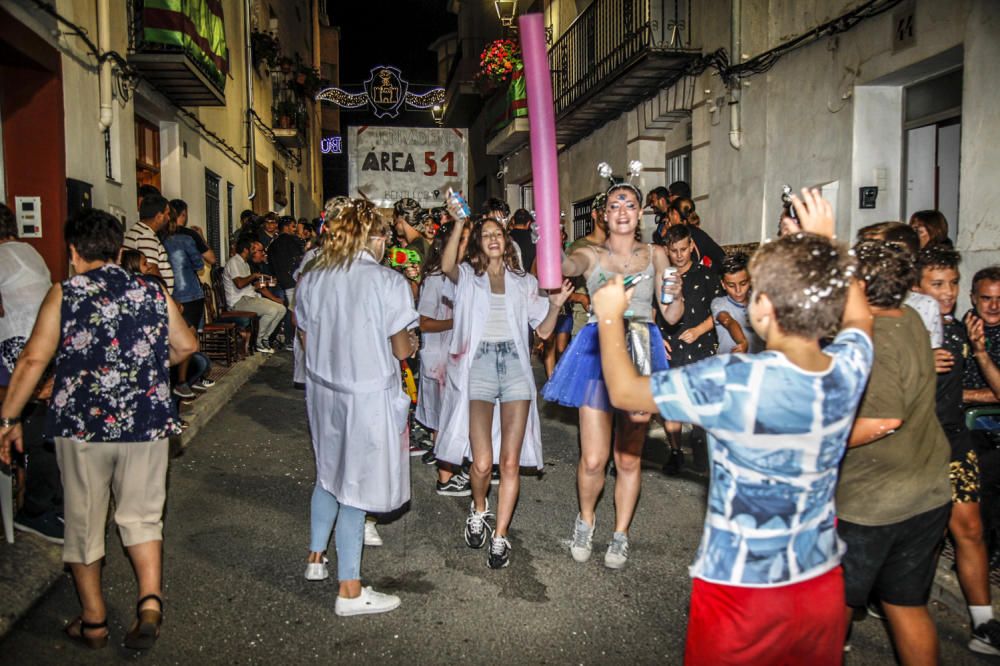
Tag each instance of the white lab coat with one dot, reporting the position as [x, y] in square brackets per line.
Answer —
[472, 304]
[354, 396]
[298, 353]
[437, 297]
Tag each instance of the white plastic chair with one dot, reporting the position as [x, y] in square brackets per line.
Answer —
[7, 505]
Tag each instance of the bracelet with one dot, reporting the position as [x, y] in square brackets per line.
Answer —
[6, 423]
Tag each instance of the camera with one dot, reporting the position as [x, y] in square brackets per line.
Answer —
[787, 209]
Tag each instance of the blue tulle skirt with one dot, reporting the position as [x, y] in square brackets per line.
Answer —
[578, 381]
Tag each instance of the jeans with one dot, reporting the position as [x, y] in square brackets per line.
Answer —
[326, 511]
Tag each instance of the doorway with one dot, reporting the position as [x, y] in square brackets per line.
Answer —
[932, 140]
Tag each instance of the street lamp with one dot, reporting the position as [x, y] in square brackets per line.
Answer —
[437, 113]
[506, 11]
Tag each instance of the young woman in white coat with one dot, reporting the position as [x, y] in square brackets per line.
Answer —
[356, 317]
[577, 380]
[495, 303]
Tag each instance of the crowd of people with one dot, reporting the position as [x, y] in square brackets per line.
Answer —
[836, 391]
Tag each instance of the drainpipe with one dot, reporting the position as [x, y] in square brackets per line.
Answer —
[736, 46]
[251, 139]
[104, 72]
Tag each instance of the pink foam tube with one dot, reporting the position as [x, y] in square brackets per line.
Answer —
[544, 163]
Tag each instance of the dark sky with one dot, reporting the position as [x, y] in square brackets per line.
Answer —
[389, 32]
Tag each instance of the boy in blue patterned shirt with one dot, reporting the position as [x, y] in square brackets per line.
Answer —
[768, 586]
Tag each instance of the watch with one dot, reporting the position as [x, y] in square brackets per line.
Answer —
[6, 423]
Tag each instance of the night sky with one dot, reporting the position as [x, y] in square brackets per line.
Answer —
[384, 32]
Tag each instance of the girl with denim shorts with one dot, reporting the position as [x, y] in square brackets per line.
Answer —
[489, 362]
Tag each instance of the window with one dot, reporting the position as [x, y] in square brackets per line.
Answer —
[679, 166]
[229, 209]
[528, 197]
[147, 153]
[280, 191]
[261, 203]
[212, 212]
[583, 223]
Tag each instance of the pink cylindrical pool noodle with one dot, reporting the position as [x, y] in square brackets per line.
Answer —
[544, 163]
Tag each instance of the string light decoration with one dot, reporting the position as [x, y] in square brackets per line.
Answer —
[386, 92]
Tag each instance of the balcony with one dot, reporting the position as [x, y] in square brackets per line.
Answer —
[290, 116]
[181, 52]
[506, 115]
[616, 54]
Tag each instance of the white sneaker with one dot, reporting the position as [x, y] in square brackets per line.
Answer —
[369, 601]
[582, 544]
[317, 570]
[617, 554]
[372, 537]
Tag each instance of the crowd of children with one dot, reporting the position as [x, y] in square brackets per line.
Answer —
[830, 385]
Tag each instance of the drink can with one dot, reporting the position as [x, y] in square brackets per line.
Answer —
[668, 280]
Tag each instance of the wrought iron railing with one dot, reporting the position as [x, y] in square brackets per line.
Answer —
[608, 36]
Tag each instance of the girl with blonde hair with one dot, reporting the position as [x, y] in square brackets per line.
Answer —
[355, 316]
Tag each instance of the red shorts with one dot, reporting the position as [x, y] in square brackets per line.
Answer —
[802, 623]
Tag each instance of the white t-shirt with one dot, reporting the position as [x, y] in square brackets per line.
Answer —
[24, 282]
[930, 314]
[237, 267]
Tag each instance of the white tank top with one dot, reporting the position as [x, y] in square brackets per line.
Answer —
[497, 329]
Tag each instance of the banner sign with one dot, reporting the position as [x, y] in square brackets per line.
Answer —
[389, 163]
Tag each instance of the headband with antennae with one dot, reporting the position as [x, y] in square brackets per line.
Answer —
[634, 169]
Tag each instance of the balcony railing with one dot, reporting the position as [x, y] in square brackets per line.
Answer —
[181, 49]
[640, 44]
[290, 115]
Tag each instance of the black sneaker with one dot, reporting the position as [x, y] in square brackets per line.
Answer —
[495, 476]
[985, 637]
[499, 556]
[675, 461]
[183, 391]
[456, 486]
[49, 526]
[477, 525]
[428, 458]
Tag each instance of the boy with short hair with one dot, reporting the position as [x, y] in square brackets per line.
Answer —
[938, 277]
[729, 311]
[893, 497]
[768, 586]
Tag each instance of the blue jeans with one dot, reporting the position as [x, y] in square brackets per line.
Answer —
[326, 511]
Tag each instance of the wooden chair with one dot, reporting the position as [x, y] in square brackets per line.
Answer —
[220, 341]
[225, 314]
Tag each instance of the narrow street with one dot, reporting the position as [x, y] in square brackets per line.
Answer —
[237, 527]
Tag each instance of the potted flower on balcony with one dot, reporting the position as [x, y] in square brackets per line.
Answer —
[306, 81]
[265, 48]
[498, 63]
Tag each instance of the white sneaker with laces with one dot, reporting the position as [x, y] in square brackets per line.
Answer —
[372, 537]
[617, 554]
[317, 570]
[369, 601]
[582, 544]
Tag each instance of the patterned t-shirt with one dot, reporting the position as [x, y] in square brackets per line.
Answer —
[777, 434]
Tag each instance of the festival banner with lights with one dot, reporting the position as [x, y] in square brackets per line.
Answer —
[390, 163]
[386, 92]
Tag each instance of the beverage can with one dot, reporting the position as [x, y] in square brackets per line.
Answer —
[668, 280]
[461, 207]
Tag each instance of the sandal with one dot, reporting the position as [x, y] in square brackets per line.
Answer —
[78, 628]
[146, 628]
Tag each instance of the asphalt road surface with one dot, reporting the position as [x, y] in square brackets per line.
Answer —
[237, 534]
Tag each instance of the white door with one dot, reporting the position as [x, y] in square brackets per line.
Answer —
[921, 160]
[948, 141]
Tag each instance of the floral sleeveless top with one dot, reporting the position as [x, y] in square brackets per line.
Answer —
[112, 375]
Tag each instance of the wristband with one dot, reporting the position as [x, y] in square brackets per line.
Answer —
[6, 423]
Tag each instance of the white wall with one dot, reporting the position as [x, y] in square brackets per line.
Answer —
[878, 144]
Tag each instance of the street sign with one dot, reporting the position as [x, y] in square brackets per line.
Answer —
[389, 163]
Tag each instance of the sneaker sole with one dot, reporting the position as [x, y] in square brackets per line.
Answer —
[417, 452]
[455, 493]
[580, 556]
[30, 530]
[502, 566]
[982, 647]
[614, 564]
[366, 610]
[374, 544]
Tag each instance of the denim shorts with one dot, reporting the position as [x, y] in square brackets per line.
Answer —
[496, 374]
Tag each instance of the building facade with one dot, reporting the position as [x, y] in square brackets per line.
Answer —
[739, 97]
[208, 100]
